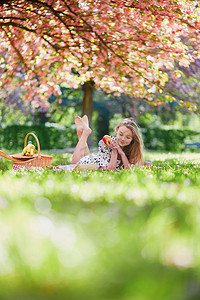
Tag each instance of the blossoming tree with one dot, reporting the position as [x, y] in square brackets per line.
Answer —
[120, 46]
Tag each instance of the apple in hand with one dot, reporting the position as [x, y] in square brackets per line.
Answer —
[106, 139]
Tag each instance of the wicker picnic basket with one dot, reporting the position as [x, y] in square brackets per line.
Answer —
[36, 160]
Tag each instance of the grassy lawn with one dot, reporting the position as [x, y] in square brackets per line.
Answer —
[101, 235]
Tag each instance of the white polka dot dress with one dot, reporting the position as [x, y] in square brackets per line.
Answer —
[102, 158]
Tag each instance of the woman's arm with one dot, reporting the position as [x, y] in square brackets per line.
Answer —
[113, 160]
[115, 147]
[124, 158]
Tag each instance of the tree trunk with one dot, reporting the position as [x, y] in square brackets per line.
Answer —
[87, 108]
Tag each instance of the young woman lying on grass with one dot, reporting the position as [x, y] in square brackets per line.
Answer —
[124, 150]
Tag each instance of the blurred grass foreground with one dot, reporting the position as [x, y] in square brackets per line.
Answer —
[101, 235]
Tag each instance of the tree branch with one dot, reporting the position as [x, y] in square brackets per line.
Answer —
[16, 50]
[6, 24]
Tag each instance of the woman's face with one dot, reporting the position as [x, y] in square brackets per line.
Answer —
[124, 136]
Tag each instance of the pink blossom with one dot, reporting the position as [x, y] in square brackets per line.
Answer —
[116, 36]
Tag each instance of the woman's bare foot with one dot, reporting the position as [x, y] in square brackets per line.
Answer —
[79, 126]
[86, 128]
[85, 119]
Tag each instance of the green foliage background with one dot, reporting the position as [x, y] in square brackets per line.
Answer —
[61, 137]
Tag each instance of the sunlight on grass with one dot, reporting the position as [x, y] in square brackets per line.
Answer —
[101, 234]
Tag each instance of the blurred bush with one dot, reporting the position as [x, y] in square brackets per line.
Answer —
[50, 136]
[53, 136]
[168, 139]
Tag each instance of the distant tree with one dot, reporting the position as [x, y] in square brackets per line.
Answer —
[184, 87]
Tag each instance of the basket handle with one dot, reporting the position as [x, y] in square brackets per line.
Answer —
[38, 144]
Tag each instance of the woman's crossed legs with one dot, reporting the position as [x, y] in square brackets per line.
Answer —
[83, 131]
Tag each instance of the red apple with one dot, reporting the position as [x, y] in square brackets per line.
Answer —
[106, 139]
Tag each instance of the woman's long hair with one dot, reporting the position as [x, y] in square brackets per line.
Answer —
[134, 151]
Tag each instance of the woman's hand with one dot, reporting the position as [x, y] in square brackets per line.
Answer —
[114, 146]
[116, 149]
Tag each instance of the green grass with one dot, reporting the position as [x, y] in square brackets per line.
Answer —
[101, 235]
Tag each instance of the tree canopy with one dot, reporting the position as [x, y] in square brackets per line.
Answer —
[123, 46]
